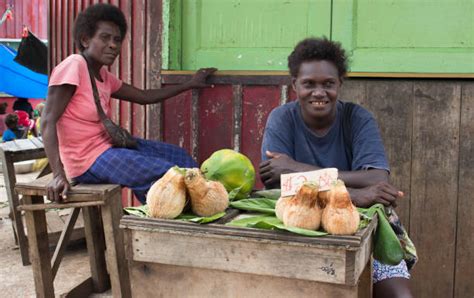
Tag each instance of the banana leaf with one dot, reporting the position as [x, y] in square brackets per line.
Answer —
[262, 205]
[387, 247]
[273, 194]
[142, 211]
[268, 222]
[200, 219]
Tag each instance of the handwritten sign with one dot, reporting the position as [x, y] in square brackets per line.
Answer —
[290, 183]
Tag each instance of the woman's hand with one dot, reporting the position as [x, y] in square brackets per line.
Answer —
[57, 188]
[381, 192]
[199, 78]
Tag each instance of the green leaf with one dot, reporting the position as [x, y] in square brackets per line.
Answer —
[255, 204]
[272, 223]
[141, 211]
[387, 247]
[233, 193]
[199, 219]
[268, 193]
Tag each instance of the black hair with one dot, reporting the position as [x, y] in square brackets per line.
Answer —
[86, 21]
[3, 108]
[11, 120]
[317, 49]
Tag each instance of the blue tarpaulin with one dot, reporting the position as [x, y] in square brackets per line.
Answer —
[18, 80]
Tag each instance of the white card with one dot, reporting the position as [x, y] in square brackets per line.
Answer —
[290, 183]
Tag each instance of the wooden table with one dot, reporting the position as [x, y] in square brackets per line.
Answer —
[181, 259]
[11, 152]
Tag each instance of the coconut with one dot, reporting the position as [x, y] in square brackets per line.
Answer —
[302, 210]
[167, 196]
[340, 216]
[207, 197]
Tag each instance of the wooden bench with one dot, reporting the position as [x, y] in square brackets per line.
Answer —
[102, 210]
[11, 152]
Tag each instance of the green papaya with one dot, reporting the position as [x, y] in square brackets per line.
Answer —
[233, 169]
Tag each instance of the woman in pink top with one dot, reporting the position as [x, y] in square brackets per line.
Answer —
[75, 140]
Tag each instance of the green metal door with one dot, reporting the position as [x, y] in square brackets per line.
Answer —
[242, 34]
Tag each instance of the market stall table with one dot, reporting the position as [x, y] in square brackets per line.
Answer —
[182, 259]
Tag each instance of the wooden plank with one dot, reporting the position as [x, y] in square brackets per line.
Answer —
[59, 205]
[177, 115]
[392, 104]
[77, 193]
[96, 248]
[39, 249]
[351, 242]
[435, 155]
[138, 23]
[116, 262]
[63, 241]
[195, 122]
[159, 280]
[219, 79]
[258, 102]
[237, 116]
[463, 286]
[253, 256]
[215, 112]
[153, 66]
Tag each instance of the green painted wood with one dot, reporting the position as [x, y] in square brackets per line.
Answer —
[248, 34]
[406, 36]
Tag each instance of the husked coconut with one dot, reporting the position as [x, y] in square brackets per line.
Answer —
[323, 198]
[280, 206]
[207, 197]
[340, 216]
[167, 196]
[302, 210]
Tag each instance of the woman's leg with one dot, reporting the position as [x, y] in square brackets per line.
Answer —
[391, 281]
[169, 152]
[135, 169]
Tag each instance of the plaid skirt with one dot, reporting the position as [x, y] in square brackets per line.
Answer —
[138, 168]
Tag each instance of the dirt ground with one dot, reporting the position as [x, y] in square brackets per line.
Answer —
[16, 279]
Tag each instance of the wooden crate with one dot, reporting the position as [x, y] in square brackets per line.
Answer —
[170, 258]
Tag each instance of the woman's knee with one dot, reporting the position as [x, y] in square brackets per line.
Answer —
[396, 287]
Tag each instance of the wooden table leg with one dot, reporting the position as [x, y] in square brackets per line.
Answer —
[39, 248]
[13, 201]
[116, 262]
[96, 248]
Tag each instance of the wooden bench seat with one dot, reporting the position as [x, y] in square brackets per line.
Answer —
[102, 210]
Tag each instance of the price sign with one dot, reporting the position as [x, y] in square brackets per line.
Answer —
[290, 183]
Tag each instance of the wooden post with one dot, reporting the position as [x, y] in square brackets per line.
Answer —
[116, 262]
[96, 248]
[13, 201]
[39, 248]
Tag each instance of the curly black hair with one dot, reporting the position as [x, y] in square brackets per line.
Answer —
[86, 21]
[312, 49]
[11, 120]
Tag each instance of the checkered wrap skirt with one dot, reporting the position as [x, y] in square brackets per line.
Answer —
[138, 168]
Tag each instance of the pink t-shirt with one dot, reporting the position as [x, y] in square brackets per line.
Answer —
[81, 135]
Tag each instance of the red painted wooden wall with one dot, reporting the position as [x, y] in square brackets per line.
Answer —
[32, 13]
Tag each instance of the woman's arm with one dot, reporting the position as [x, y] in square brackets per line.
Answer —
[366, 187]
[133, 94]
[58, 99]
